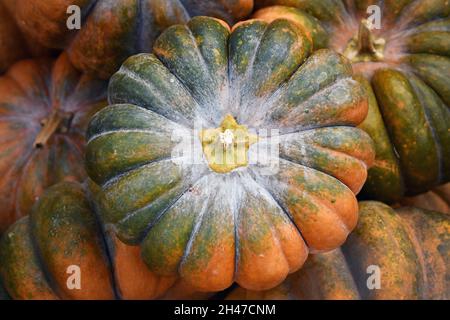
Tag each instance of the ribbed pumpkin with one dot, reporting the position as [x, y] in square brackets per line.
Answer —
[405, 67]
[45, 106]
[251, 217]
[63, 230]
[410, 246]
[112, 30]
[437, 199]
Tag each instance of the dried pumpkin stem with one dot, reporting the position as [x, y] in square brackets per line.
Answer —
[50, 125]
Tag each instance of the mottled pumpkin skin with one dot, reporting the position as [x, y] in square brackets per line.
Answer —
[63, 230]
[34, 94]
[112, 30]
[252, 225]
[408, 87]
[411, 247]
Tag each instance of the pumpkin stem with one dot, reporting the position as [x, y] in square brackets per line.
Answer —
[56, 120]
[225, 147]
[365, 39]
[364, 47]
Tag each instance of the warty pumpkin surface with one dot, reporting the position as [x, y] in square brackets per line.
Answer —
[112, 30]
[252, 219]
[64, 230]
[405, 68]
[411, 247]
[45, 106]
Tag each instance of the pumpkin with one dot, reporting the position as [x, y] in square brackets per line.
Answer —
[39, 253]
[11, 48]
[45, 106]
[410, 246]
[437, 199]
[405, 68]
[12, 45]
[112, 30]
[230, 155]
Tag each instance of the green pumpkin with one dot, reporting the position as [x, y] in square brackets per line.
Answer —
[405, 68]
[410, 246]
[39, 255]
[251, 210]
[111, 30]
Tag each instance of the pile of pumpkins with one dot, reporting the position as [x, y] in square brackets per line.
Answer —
[247, 149]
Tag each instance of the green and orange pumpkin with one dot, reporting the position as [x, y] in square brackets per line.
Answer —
[405, 68]
[179, 155]
[45, 106]
[63, 231]
[409, 246]
[112, 30]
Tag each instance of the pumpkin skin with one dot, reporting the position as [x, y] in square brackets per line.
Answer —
[437, 199]
[45, 106]
[206, 226]
[62, 230]
[411, 246]
[13, 46]
[407, 83]
[112, 30]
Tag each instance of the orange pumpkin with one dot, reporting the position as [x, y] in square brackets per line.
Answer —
[13, 46]
[45, 105]
[112, 30]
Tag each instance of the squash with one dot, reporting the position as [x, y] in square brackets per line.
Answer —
[45, 106]
[405, 68]
[229, 156]
[437, 199]
[39, 253]
[410, 246]
[12, 45]
[112, 30]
